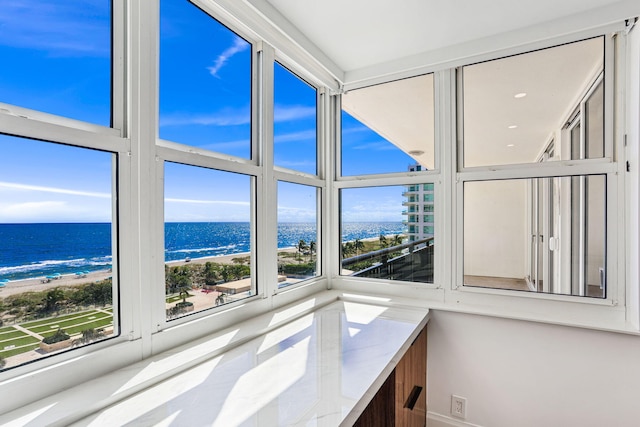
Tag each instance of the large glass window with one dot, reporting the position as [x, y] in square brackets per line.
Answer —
[377, 243]
[388, 127]
[295, 117]
[297, 233]
[57, 58]
[208, 238]
[56, 249]
[513, 106]
[537, 234]
[205, 81]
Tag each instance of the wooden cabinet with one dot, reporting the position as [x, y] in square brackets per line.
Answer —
[402, 399]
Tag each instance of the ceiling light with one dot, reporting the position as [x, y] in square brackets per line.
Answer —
[520, 95]
[416, 152]
[513, 126]
[510, 145]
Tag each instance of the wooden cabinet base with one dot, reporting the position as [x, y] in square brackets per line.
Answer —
[402, 399]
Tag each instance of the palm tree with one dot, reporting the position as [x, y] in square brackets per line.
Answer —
[301, 246]
[397, 240]
[312, 248]
[346, 249]
[358, 246]
[383, 241]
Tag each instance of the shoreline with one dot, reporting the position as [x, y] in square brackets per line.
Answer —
[35, 284]
[69, 280]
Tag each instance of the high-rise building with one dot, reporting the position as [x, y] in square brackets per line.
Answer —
[419, 210]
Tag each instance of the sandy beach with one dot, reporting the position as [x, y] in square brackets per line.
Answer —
[35, 285]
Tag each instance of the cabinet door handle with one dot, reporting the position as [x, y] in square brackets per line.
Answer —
[413, 397]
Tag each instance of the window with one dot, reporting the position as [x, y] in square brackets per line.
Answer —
[57, 240]
[375, 243]
[388, 127]
[72, 42]
[537, 234]
[513, 106]
[206, 92]
[208, 238]
[546, 232]
[297, 233]
[294, 127]
[205, 81]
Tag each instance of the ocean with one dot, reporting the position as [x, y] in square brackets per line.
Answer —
[38, 250]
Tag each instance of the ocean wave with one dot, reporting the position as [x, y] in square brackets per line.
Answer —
[218, 248]
[49, 265]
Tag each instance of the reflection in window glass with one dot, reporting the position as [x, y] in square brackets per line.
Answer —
[537, 234]
[594, 116]
[205, 81]
[297, 233]
[513, 106]
[377, 243]
[294, 127]
[389, 126]
[57, 58]
[208, 238]
[56, 248]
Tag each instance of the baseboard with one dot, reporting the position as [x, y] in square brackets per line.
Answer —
[438, 420]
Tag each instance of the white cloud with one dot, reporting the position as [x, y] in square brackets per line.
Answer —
[54, 211]
[207, 202]
[238, 46]
[295, 136]
[61, 29]
[235, 116]
[226, 117]
[27, 187]
[290, 113]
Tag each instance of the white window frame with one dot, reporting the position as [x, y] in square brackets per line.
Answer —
[607, 165]
[50, 128]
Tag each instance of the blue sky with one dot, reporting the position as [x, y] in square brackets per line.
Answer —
[59, 56]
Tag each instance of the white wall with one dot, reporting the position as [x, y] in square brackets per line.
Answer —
[632, 129]
[495, 228]
[516, 373]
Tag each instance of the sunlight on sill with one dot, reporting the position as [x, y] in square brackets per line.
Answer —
[370, 298]
[177, 360]
[255, 389]
[357, 313]
[292, 312]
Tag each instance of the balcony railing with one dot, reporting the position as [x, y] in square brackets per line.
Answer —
[411, 262]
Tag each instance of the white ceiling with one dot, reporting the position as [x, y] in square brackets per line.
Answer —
[357, 34]
[362, 42]
[554, 81]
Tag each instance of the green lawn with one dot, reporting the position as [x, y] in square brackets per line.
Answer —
[94, 324]
[47, 320]
[8, 333]
[13, 341]
[19, 350]
[68, 322]
[174, 298]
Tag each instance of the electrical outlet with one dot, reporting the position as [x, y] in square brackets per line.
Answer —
[458, 406]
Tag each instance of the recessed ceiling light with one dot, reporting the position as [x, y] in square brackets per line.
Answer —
[510, 145]
[513, 126]
[520, 95]
[416, 152]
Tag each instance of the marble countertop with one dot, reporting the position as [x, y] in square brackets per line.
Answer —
[321, 369]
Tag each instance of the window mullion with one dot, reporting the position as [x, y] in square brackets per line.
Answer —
[267, 201]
